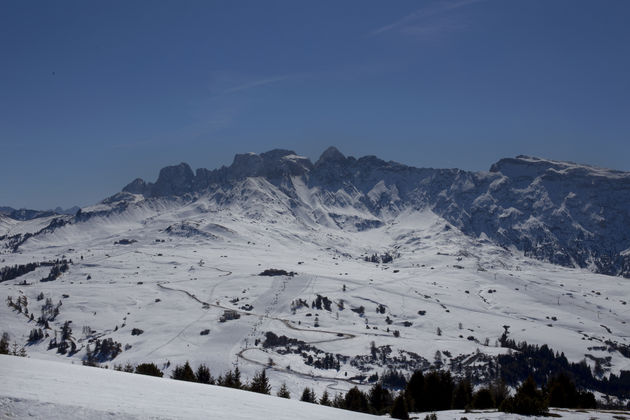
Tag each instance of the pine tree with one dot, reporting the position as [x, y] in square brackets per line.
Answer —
[308, 395]
[325, 399]
[203, 375]
[462, 395]
[4, 343]
[284, 391]
[399, 409]
[184, 373]
[414, 392]
[149, 369]
[528, 400]
[260, 383]
[356, 401]
[379, 399]
[339, 401]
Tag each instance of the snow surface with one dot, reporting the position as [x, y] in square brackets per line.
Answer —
[38, 389]
[209, 260]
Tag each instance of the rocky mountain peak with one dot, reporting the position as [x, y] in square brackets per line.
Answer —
[332, 154]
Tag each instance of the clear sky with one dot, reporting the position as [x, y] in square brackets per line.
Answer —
[94, 94]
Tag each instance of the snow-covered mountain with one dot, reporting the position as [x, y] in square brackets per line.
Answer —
[565, 213]
[388, 267]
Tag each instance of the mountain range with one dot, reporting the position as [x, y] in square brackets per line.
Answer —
[565, 213]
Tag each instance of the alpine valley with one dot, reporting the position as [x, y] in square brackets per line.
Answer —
[332, 274]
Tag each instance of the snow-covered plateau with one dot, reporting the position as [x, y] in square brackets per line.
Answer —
[387, 267]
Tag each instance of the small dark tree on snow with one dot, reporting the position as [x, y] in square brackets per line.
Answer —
[36, 335]
[203, 375]
[284, 391]
[260, 383]
[356, 401]
[308, 395]
[231, 379]
[528, 400]
[399, 409]
[184, 373]
[149, 369]
[325, 399]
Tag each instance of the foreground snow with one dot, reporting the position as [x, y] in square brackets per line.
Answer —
[39, 389]
[51, 390]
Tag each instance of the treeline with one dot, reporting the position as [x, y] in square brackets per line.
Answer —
[59, 266]
[202, 375]
[13, 272]
[423, 392]
[542, 363]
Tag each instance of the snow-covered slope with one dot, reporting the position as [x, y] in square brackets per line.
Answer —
[48, 390]
[40, 389]
[170, 258]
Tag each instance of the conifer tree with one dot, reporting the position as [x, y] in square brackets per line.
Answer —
[308, 395]
[184, 373]
[149, 369]
[339, 401]
[284, 391]
[379, 399]
[356, 401]
[260, 383]
[462, 395]
[483, 399]
[414, 392]
[399, 409]
[528, 400]
[4, 343]
[203, 375]
[325, 399]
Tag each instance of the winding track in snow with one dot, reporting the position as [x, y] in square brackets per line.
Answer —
[339, 336]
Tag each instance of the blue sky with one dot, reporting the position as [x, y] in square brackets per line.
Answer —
[95, 94]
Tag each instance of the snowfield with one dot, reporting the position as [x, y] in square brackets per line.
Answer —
[178, 287]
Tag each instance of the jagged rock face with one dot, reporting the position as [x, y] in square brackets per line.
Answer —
[565, 213]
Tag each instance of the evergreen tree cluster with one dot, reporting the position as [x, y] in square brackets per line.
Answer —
[104, 350]
[58, 268]
[542, 363]
[64, 342]
[14, 350]
[13, 272]
[230, 379]
[321, 301]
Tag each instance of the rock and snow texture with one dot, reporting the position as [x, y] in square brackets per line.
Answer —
[565, 213]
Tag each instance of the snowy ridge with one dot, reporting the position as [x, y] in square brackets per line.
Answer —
[565, 213]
